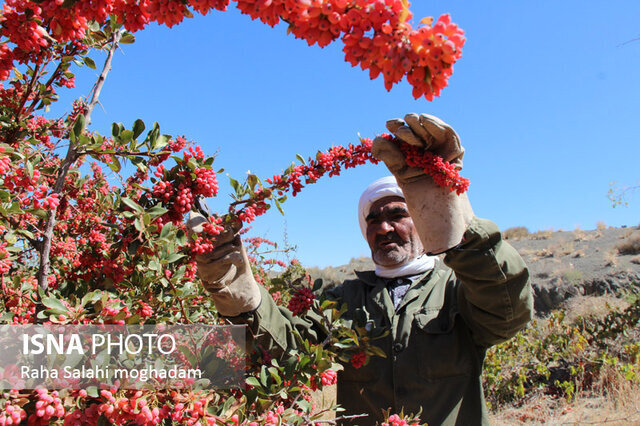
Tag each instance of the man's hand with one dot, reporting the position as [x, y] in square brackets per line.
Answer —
[225, 272]
[439, 215]
[424, 131]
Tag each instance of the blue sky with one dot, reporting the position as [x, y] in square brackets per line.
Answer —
[545, 99]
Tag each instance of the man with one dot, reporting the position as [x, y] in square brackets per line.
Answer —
[441, 319]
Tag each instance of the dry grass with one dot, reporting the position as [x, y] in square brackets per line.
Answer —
[610, 258]
[592, 306]
[614, 401]
[601, 226]
[542, 235]
[580, 235]
[578, 253]
[635, 259]
[515, 233]
[630, 244]
[545, 252]
[572, 276]
[562, 249]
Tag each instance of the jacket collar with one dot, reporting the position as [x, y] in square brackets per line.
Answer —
[381, 297]
[370, 277]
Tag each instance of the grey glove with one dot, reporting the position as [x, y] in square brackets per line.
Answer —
[225, 272]
[440, 215]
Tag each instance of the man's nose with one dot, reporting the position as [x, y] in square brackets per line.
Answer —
[384, 227]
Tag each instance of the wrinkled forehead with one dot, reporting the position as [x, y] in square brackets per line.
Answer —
[386, 203]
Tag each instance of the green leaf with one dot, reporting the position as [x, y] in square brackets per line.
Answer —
[92, 391]
[54, 305]
[92, 297]
[192, 164]
[127, 38]
[253, 381]
[174, 257]
[132, 204]
[317, 284]
[29, 168]
[115, 164]
[166, 230]
[234, 184]
[116, 128]
[154, 265]
[301, 159]
[263, 376]
[279, 206]
[78, 126]
[157, 211]
[138, 128]
[252, 180]
[162, 141]
[41, 213]
[126, 136]
[275, 374]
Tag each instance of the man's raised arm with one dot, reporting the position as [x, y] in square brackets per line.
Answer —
[495, 296]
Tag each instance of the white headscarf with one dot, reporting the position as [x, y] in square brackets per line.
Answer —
[388, 187]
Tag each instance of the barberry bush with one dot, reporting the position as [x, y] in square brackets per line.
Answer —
[564, 358]
[78, 249]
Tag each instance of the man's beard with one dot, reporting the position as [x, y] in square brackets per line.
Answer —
[401, 253]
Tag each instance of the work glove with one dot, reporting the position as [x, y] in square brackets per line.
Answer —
[225, 272]
[441, 216]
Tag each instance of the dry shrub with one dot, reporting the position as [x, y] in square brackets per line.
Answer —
[580, 235]
[578, 253]
[613, 400]
[601, 226]
[562, 249]
[542, 235]
[610, 258]
[515, 233]
[572, 276]
[545, 252]
[636, 260]
[592, 306]
[630, 244]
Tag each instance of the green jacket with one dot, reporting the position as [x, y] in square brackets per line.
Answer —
[438, 335]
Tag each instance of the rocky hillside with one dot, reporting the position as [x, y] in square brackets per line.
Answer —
[562, 263]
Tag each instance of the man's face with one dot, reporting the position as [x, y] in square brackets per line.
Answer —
[391, 235]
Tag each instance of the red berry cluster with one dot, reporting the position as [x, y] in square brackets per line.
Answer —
[204, 242]
[376, 34]
[145, 310]
[115, 308]
[130, 410]
[47, 407]
[301, 301]
[358, 359]
[328, 377]
[332, 161]
[178, 187]
[442, 172]
[396, 420]
[12, 414]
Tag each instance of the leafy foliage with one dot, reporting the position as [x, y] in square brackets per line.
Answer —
[561, 358]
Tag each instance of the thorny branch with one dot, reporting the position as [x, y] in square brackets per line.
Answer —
[71, 157]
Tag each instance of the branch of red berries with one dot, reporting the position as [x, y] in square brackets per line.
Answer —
[376, 34]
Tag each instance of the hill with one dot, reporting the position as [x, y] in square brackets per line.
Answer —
[562, 264]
